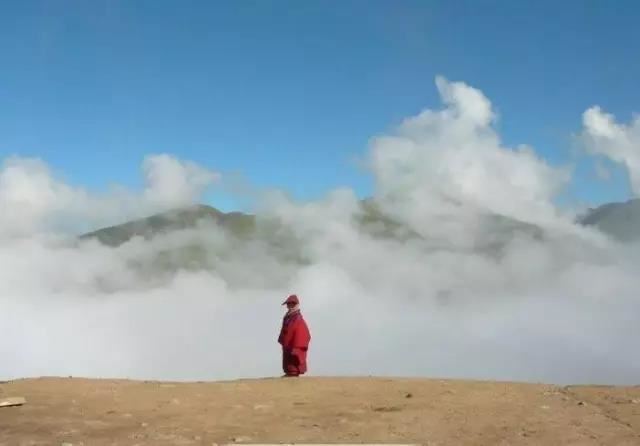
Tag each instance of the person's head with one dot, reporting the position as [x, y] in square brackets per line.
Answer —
[291, 302]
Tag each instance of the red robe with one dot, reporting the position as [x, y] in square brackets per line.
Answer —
[294, 338]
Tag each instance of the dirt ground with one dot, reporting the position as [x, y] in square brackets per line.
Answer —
[317, 410]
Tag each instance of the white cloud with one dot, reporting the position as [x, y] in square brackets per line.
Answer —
[451, 161]
[29, 193]
[171, 182]
[36, 199]
[602, 135]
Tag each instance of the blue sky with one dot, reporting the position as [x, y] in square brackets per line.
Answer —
[288, 93]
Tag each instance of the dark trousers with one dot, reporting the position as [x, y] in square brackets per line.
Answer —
[290, 364]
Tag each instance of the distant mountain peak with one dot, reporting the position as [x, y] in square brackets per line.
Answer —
[184, 217]
[620, 220]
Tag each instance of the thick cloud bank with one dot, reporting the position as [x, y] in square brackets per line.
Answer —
[560, 308]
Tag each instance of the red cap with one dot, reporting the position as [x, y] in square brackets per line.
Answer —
[293, 299]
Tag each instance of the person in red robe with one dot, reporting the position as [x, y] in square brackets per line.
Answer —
[294, 338]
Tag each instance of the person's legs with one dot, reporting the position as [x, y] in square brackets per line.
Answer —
[284, 361]
[290, 365]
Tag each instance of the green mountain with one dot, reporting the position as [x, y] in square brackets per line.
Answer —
[620, 221]
[195, 238]
[263, 251]
[238, 224]
[240, 228]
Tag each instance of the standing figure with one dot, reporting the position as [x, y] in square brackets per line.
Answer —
[294, 338]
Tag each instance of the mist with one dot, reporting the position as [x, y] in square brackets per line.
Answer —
[562, 308]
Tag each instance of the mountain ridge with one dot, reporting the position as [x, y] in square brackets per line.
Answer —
[620, 220]
[196, 250]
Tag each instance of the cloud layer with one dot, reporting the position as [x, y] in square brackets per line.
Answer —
[561, 308]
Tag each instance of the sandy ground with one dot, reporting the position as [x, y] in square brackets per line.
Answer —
[317, 410]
